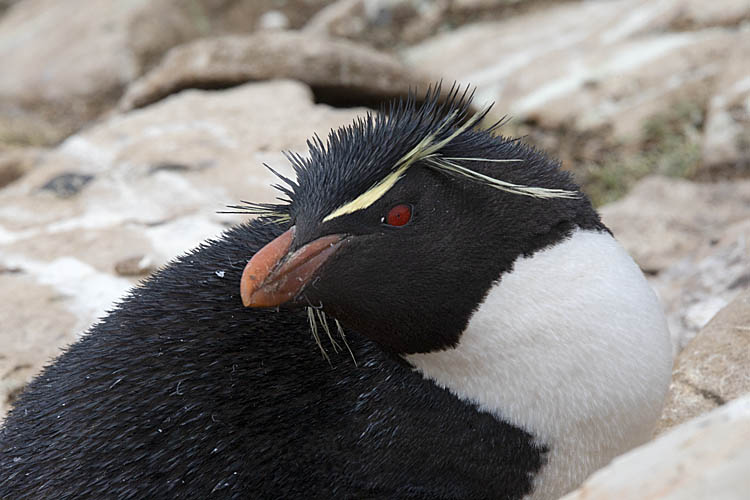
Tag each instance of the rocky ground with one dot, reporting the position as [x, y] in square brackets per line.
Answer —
[125, 127]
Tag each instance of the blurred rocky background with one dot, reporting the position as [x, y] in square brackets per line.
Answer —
[125, 125]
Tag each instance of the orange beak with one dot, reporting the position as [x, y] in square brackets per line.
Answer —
[273, 276]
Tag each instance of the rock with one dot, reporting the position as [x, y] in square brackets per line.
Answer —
[714, 368]
[67, 184]
[691, 239]
[338, 71]
[696, 14]
[67, 72]
[15, 163]
[726, 142]
[583, 65]
[160, 174]
[428, 21]
[26, 128]
[273, 20]
[390, 24]
[695, 288]
[599, 84]
[60, 70]
[137, 265]
[382, 23]
[663, 220]
[704, 459]
[343, 18]
[4, 4]
[10, 270]
[36, 323]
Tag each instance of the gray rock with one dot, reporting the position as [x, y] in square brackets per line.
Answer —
[597, 70]
[695, 288]
[691, 239]
[696, 14]
[393, 24]
[714, 368]
[137, 265]
[66, 63]
[64, 68]
[726, 143]
[67, 184]
[65, 260]
[4, 4]
[273, 20]
[703, 459]
[36, 324]
[340, 18]
[383, 23]
[337, 70]
[663, 220]
[15, 163]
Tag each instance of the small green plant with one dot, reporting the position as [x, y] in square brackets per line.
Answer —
[668, 145]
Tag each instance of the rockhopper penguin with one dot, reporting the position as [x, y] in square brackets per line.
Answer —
[504, 345]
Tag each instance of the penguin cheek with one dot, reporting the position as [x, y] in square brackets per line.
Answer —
[361, 294]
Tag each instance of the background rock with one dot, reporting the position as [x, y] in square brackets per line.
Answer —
[4, 4]
[696, 14]
[15, 163]
[703, 459]
[726, 144]
[70, 61]
[594, 63]
[616, 89]
[394, 24]
[714, 368]
[338, 71]
[382, 23]
[36, 324]
[692, 241]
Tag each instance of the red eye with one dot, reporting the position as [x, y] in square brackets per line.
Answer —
[398, 215]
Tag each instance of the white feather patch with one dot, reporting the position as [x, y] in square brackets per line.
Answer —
[571, 346]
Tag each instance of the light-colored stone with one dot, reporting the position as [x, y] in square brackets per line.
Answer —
[341, 18]
[65, 63]
[394, 24]
[337, 70]
[691, 14]
[158, 176]
[16, 162]
[382, 23]
[704, 459]
[692, 240]
[35, 324]
[726, 142]
[273, 20]
[696, 287]
[137, 265]
[587, 66]
[663, 220]
[66, 71]
[714, 368]
[4, 4]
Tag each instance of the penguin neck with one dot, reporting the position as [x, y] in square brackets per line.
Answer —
[570, 346]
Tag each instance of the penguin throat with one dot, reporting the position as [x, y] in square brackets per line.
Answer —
[572, 347]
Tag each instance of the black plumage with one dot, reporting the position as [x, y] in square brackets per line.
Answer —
[181, 392]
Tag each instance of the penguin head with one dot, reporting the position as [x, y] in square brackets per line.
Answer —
[400, 224]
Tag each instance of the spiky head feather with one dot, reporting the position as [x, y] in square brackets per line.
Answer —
[362, 161]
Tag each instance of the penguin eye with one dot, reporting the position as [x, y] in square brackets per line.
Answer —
[398, 215]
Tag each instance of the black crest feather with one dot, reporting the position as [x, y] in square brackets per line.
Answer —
[358, 156]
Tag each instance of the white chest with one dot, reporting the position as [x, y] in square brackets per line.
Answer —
[571, 346]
